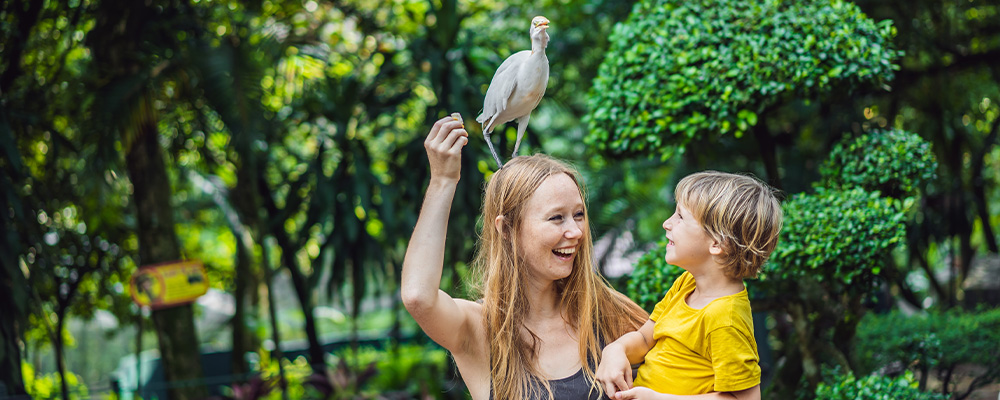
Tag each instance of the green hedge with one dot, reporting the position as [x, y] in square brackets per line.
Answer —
[837, 236]
[680, 69]
[844, 386]
[937, 341]
[893, 162]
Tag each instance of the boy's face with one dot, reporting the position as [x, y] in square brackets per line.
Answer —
[688, 246]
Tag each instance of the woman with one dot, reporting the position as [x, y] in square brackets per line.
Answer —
[545, 314]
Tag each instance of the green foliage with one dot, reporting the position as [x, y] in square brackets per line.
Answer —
[937, 340]
[46, 386]
[651, 278]
[844, 386]
[837, 236]
[681, 69]
[411, 371]
[895, 162]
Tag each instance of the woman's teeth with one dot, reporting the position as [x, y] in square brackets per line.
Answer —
[564, 252]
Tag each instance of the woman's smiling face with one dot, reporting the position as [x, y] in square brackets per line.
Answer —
[552, 228]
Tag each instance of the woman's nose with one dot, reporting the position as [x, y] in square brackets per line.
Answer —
[574, 231]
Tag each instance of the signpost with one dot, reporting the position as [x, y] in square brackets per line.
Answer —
[168, 284]
[161, 286]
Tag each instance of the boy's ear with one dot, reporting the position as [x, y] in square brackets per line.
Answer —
[716, 248]
[498, 224]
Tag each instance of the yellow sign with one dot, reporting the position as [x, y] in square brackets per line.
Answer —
[169, 284]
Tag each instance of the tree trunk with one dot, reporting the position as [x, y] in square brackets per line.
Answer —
[14, 288]
[303, 294]
[175, 327]
[11, 381]
[242, 339]
[273, 314]
[810, 366]
[57, 345]
[768, 153]
[920, 255]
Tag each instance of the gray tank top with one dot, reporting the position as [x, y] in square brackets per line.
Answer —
[573, 387]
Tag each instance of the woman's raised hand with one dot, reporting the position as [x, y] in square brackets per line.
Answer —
[444, 147]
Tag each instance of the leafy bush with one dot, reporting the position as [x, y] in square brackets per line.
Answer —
[841, 386]
[413, 369]
[680, 69]
[410, 371]
[893, 162]
[837, 236]
[47, 386]
[940, 341]
[831, 250]
[651, 278]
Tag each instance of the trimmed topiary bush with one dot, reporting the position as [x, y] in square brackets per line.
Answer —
[837, 236]
[893, 162]
[935, 342]
[844, 386]
[680, 69]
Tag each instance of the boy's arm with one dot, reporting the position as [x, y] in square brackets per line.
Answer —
[642, 393]
[615, 369]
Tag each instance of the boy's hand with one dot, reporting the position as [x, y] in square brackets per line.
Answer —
[640, 393]
[614, 371]
[444, 147]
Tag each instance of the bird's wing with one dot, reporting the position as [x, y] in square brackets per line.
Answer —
[502, 85]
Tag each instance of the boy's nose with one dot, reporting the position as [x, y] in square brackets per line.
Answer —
[667, 225]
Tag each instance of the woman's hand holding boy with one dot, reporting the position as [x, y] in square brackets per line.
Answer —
[614, 371]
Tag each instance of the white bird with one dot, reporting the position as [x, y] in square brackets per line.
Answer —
[517, 87]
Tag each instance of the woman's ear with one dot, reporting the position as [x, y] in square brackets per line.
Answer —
[498, 223]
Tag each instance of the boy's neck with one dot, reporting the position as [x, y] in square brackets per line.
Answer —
[710, 284]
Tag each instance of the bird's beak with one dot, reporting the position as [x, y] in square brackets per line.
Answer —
[543, 24]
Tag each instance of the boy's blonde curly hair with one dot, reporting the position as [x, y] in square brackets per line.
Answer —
[740, 212]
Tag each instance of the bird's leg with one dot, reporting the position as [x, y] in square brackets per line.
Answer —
[522, 125]
[494, 152]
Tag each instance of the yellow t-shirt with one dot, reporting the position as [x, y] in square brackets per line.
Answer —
[700, 351]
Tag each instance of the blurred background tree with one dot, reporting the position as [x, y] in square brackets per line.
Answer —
[292, 165]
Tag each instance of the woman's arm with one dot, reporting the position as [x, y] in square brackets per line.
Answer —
[443, 319]
[615, 368]
[642, 393]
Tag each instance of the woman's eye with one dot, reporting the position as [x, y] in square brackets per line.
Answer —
[555, 218]
[578, 215]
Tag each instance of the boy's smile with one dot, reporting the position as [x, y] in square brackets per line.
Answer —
[693, 248]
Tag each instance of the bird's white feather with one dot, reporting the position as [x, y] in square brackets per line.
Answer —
[517, 87]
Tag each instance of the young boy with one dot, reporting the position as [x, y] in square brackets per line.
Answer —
[699, 340]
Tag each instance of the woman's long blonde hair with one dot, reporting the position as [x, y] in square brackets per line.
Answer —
[590, 306]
